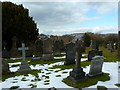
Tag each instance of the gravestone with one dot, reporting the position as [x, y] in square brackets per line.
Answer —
[57, 47]
[24, 67]
[39, 47]
[93, 53]
[77, 74]
[5, 53]
[47, 49]
[96, 66]
[110, 47]
[70, 54]
[5, 67]
[14, 51]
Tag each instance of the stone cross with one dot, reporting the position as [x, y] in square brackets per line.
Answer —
[23, 48]
[78, 53]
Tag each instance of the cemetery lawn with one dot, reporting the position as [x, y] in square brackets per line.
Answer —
[46, 61]
[109, 57]
[89, 81]
[63, 67]
[13, 74]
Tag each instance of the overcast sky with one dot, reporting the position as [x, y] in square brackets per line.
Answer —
[59, 18]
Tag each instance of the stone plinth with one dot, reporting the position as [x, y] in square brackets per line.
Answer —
[24, 67]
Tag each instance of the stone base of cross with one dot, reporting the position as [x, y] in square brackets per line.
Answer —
[24, 67]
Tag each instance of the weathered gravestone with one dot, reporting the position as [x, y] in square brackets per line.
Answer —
[96, 66]
[57, 47]
[39, 47]
[77, 75]
[47, 49]
[14, 51]
[111, 47]
[5, 53]
[24, 67]
[93, 53]
[5, 67]
[70, 54]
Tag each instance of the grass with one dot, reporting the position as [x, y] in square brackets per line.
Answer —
[110, 57]
[46, 83]
[117, 85]
[58, 75]
[64, 72]
[14, 87]
[88, 82]
[18, 60]
[46, 61]
[63, 67]
[48, 73]
[61, 55]
[15, 65]
[101, 88]
[13, 74]
[32, 85]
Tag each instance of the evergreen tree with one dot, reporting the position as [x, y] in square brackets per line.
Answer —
[17, 23]
[87, 39]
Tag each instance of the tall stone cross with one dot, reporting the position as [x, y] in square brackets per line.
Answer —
[78, 49]
[23, 48]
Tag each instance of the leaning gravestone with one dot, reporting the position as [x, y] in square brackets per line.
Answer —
[57, 47]
[5, 53]
[70, 54]
[96, 66]
[77, 75]
[24, 67]
[14, 51]
[47, 49]
[5, 67]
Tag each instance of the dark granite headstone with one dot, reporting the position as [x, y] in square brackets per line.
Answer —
[93, 53]
[70, 54]
[5, 54]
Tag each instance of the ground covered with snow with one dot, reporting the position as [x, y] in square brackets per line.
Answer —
[53, 77]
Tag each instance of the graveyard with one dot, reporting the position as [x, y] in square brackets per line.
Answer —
[73, 61]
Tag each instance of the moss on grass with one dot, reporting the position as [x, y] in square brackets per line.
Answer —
[88, 82]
